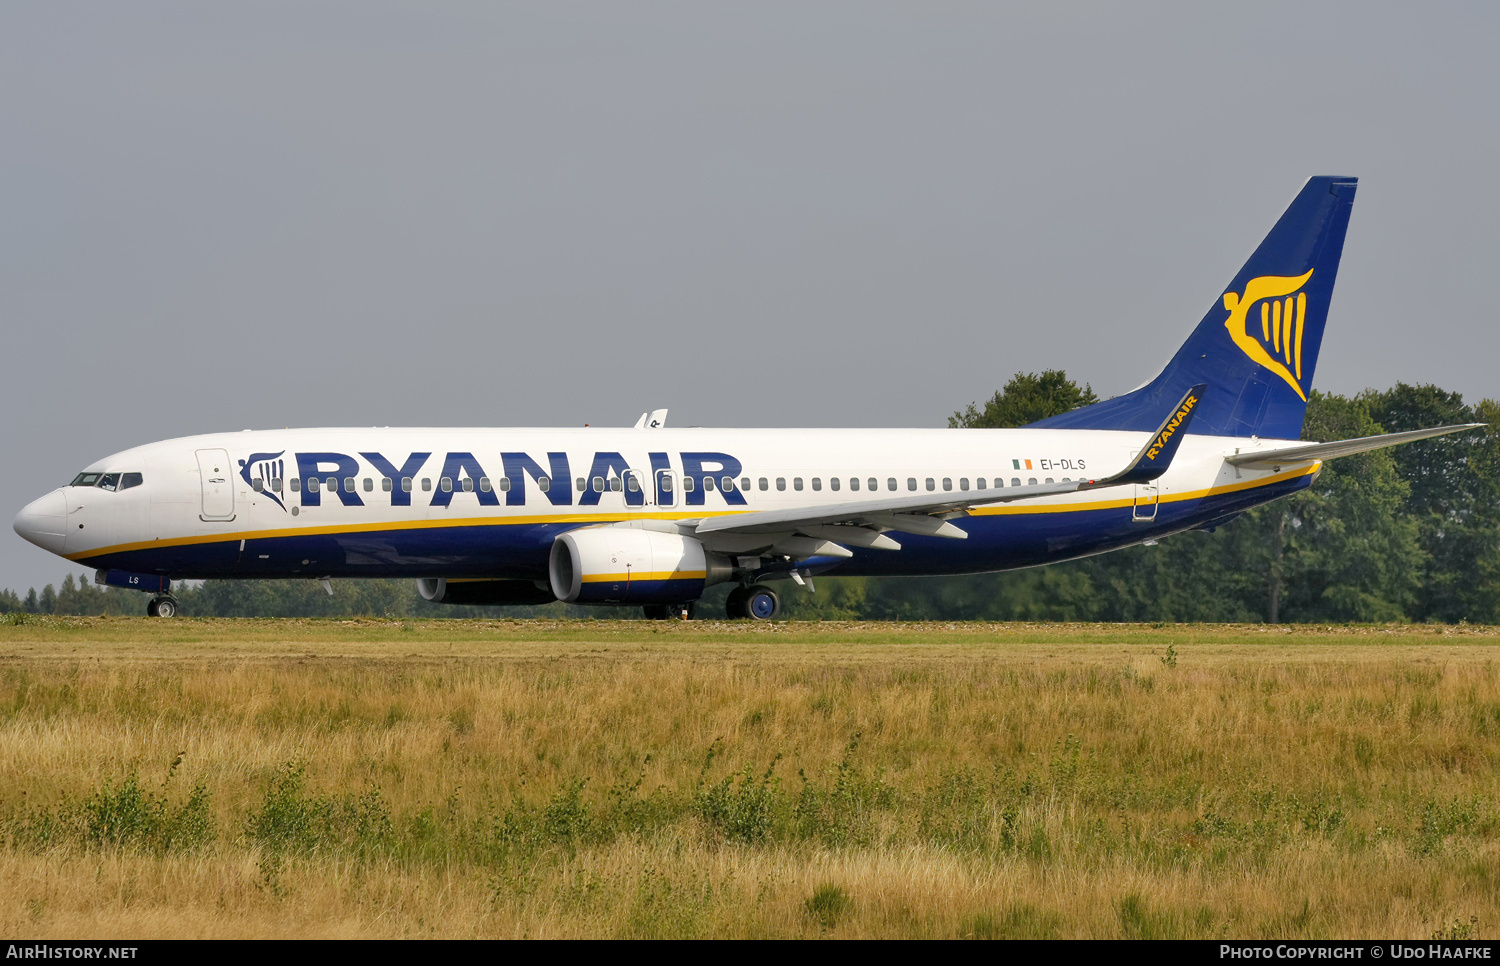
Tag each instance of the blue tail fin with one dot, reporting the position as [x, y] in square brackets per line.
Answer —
[1257, 348]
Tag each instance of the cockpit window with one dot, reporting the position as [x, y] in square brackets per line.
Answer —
[108, 481]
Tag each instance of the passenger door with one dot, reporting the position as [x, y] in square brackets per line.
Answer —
[216, 479]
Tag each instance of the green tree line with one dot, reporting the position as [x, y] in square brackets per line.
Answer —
[1405, 534]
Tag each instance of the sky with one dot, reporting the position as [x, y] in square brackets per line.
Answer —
[226, 216]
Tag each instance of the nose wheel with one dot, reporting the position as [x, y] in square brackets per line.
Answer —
[162, 607]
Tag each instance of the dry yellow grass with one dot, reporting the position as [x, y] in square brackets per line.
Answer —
[379, 778]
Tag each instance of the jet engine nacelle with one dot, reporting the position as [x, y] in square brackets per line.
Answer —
[626, 565]
[483, 592]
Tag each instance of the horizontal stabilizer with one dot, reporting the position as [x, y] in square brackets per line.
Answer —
[1343, 447]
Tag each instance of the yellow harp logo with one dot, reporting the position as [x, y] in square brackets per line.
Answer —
[1282, 311]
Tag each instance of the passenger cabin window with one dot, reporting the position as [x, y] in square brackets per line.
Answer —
[405, 484]
[632, 484]
[126, 484]
[911, 482]
[780, 482]
[297, 484]
[726, 483]
[765, 484]
[543, 483]
[582, 484]
[598, 484]
[387, 484]
[833, 483]
[797, 483]
[615, 485]
[890, 484]
[484, 484]
[467, 484]
[708, 483]
[503, 484]
[963, 483]
[875, 484]
[348, 484]
[688, 484]
[930, 484]
[854, 483]
[445, 484]
[947, 483]
[979, 483]
[257, 485]
[312, 484]
[426, 484]
[369, 485]
[817, 483]
[745, 483]
[1031, 481]
[1015, 481]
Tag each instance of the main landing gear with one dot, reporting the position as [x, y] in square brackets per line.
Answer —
[162, 607]
[666, 612]
[757, 602]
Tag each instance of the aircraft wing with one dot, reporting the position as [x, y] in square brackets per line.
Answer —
[768, 521]
[818, 530]
[1307, 452]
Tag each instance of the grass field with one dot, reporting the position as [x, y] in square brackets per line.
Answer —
[289, 779]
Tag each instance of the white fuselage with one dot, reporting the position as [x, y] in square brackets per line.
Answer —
[471, 503]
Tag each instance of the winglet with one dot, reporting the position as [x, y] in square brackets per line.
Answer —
[1154, 458]
[655, 419]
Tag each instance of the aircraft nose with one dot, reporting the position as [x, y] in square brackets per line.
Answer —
[43, 521]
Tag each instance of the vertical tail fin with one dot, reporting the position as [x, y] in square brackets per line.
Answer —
[1257, 347]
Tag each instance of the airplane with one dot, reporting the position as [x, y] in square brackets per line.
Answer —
[651, 516]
